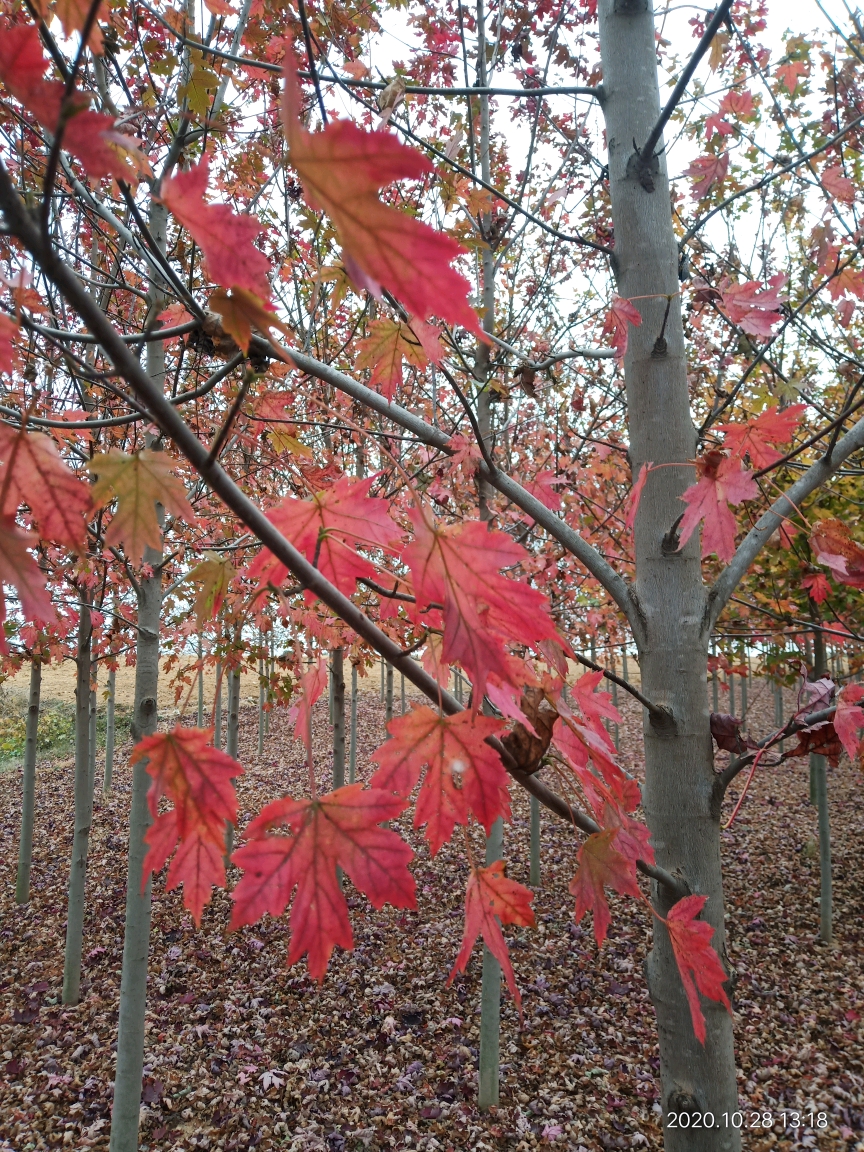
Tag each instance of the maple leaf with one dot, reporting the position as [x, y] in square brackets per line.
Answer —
[138, 482]
[706, 172]
[621, 313]
[342, 169]
[329, 526]
[790, 74]
[753, 307]
[310, 686]
[738, 102]
[758, 437]
[490, 901]
[389, 343]
[9, 332]
[848, 719]
[601, 865]
[459, 566]
[838, 185]
[722, 482]
[241, 311]
[73, 14]
[542, 487]
[636, 495]
[33, 473]
[213, 577]
[464, 776]
[726, 730]
[224, 237]
[834, 547]
[698, 964]
[17, 567]
[595, 706]
[818, 586]
[198, 779]
[339, 830]
[88, 135]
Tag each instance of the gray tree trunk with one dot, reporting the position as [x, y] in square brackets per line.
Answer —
[388, 695]
[352, 757]
[262, 696]
[109, 730]
[200, 682]
[136, 940]
[669, 595]
[93, 716]
[819, 798]
[534, 872]
[337, 678]
[217, 711]
[83, 810]
[490, 999]
[28, 785]
[232, 742]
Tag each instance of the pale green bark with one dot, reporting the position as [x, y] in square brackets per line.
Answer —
[490, 998]
[83, 812]
[28, 785]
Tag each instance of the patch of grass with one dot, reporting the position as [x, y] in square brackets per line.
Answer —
[56, 728]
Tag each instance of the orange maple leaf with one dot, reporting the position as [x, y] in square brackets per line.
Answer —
[601, 865]
[342, 169]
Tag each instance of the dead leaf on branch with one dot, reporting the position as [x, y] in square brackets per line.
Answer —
[527, 749]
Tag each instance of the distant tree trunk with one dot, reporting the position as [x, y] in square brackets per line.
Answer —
[28, 787]
[136, 941]
[83, 810]
[200, 682]
[819, 793]
[534, 874]
[92, 722]
[217, 710]
[388, 695]
[109, 730]
[490, 998]
[232, 741]
[262, 695]
[337, 675]
[352, 757]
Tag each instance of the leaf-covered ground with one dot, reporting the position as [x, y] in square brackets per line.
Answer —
[245, 1053]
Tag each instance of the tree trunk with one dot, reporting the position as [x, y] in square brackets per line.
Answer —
[262, 695]
[352, 757]
[92, 719]
[388, 695]
[232, 742]
[670, 599]
[217, 710]
[136, 940]
[534, 870]
[490, 999]
[83, 810]
[337, 676]
[819, 798]
[109, 730]
[200, 682]
[28, 786]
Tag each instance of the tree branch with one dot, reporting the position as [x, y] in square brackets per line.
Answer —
[786, 505]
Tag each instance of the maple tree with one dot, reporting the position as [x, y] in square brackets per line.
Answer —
[502, 491]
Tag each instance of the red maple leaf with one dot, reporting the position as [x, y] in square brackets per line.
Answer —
[752, 306]
[330, 526]
[706, 172]
[543, 488]
[834, 547]
[342, 169]
[388, 343]
[838, 185]
[698, 963]
[33, 473]
[90, 136]
[9, 333]
[621, 313]
[758, 436]
[849, 718]
[198, 779]
[722, 482]
[225, 238]
[459, 566]
[17, 567]
[636, 495]
[310, 686]
[601, 865]
[339, 830]
[464, 776]
[818, 586]
[490, 901]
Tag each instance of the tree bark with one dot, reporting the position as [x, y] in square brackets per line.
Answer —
[109, 730]
[337, 674]
[669, 596]
[28, 786]
[136, 940]
[352, 758]
[91, 720]
[232, 742]
[83, 810]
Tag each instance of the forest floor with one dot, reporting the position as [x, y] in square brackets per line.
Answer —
[243, 1052]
